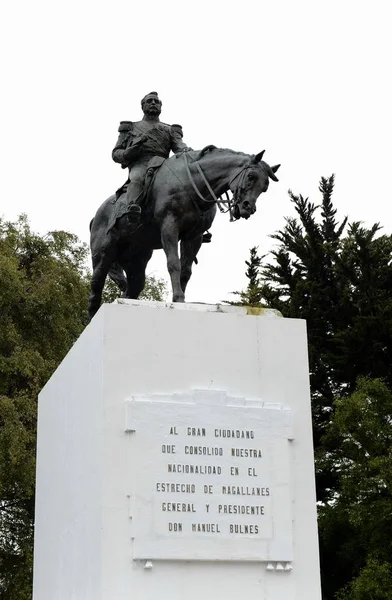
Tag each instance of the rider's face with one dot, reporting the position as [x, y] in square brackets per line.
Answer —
[152, 105]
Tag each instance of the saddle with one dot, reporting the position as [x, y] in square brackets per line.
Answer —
[152, 168]
[120, 207]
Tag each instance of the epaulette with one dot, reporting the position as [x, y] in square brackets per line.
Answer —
[125, 126]
[165, 124]
[177, 127]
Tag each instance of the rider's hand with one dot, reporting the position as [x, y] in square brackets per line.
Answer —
[134, 149]
[139, 140]
[181, 152]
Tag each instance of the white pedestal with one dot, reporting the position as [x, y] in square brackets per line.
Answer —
[175, 459]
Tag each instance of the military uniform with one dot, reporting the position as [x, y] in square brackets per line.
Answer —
[138, 143]
[161, 138]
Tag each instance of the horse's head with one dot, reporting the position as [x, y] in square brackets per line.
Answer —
[248, 183]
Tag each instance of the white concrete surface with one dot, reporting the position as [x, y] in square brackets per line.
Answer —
[140, 375]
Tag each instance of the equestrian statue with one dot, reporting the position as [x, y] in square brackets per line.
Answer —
[166, 201]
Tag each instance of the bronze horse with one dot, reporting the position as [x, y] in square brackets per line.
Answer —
[181, 207]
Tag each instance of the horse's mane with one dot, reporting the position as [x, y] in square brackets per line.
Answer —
[254, 159]
[232, 151]
[211, 148]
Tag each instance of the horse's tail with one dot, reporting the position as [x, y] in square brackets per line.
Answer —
[116, 274]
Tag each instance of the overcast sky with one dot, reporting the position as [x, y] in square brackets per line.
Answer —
[310, 82]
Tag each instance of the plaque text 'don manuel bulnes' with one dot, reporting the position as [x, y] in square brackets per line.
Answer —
[208, 473]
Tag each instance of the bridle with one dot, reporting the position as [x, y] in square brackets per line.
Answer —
[238, 192]
[224, 204]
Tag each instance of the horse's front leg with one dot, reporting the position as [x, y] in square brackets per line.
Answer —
[169, 237]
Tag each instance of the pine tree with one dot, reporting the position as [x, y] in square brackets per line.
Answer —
[340, 283]
[251, 296]
[338, 276]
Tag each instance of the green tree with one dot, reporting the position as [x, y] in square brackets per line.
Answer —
[43, 301]
[361, 514]
[340, 282]
[251, 296]
[43, 310]
[337, 276]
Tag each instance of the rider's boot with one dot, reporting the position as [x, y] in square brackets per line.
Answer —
[135, 191]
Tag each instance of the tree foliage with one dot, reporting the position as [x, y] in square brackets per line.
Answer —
[361, 437]
[43, 300]
[338, 276]
[43, 309]
[251, 296]
[340, 282]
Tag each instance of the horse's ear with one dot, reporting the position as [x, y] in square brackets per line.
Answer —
[273, 170]
[258, 156]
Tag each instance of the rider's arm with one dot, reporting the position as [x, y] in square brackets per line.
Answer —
[177, 145]
[123, 152]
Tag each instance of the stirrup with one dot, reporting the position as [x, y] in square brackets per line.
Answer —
[134, 212]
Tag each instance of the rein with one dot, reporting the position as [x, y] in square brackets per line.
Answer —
[219, 201]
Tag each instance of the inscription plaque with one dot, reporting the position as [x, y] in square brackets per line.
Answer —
[210, 478]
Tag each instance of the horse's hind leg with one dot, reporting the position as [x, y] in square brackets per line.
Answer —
[169, 236]
[189, 250]
[135, 269]
[101, 264]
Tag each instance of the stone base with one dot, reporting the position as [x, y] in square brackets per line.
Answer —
[145, 385]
